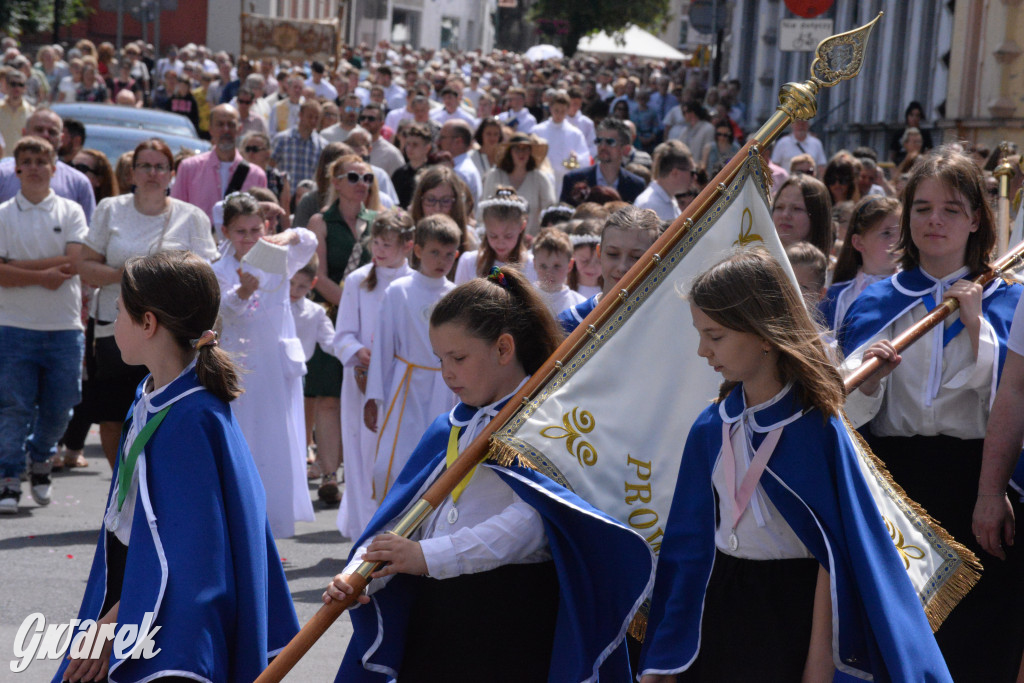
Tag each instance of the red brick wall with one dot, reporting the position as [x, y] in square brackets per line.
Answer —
[186, 25]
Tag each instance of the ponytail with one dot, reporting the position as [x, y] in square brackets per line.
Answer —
[503, 302]
[182, 292]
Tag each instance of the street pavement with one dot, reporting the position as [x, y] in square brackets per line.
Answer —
[46, 553]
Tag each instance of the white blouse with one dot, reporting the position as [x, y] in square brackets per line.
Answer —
[935, 389]
[118, 232]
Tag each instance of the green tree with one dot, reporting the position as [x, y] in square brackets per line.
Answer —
[19, 17]
[591, 16]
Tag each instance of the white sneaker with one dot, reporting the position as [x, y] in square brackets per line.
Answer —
[41, 488]
[10, 494]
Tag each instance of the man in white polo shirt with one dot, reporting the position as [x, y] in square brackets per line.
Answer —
[41, 331]
[673, 174]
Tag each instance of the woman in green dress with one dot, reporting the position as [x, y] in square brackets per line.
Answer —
[351, 205]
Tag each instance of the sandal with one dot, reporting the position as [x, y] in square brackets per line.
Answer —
[329, 493]
[75, 459]
[313, 471]
[56, 462]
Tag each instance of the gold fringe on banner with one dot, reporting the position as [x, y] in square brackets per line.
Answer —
[505, 456]
[963, 578]
[638, 627]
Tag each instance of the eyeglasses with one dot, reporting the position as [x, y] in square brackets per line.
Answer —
[722, 135]
[363, 119]
[354, 177]
[349, 110]
[443, 202]
[152, 168]
[84, 168]
[255, 149]
[611, 142]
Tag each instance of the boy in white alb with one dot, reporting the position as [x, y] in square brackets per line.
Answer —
[41, 332]
[404, 387]
[391, 242]
[565, 140]
[312, 327]
[552, 259]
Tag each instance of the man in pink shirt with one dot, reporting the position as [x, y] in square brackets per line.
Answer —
[204, 179]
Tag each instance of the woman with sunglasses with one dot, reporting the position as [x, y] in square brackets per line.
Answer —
[256, 151]
[717, 153]
[351, 204]
[146, 221]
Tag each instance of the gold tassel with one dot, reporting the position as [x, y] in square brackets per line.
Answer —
[638, 626]
[504, 455]
[963, 579]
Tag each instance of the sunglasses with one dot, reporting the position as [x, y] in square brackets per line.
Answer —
[367, 118]
[722, 135]
[354, 177]
[15, 84]
[611, 142]
[84, 168]
[241, 101]
[254, 149]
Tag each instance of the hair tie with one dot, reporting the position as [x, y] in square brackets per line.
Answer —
[498, 277]
[208, 338]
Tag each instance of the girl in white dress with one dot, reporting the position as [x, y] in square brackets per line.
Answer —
[504, 217]
[391, 242]
[260, 330]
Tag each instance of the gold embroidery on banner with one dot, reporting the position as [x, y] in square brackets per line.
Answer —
[907, 552]
[575, 423]
[747, 223]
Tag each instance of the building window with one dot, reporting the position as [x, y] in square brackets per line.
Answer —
[449, 33]
[405, 27]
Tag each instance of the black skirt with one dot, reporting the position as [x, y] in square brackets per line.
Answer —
[983, 637]
[496, 626]
[757, 621]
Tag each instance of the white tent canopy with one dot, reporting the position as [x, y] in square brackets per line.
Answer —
[632, 41]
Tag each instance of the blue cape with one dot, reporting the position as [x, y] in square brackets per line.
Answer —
[571, 317]
[200, 554]
[827, 306]
[883, 302]
[813, 479]
[605, 571]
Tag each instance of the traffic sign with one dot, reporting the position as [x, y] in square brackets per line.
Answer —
[803, 35]
[706, 16]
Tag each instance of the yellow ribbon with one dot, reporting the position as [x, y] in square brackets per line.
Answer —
[450, 456]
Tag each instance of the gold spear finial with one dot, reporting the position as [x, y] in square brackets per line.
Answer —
[837, 58]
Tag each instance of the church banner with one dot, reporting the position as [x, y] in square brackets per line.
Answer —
[612, 421]
[291, 39]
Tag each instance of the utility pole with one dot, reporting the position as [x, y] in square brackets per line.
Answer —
[58, 7]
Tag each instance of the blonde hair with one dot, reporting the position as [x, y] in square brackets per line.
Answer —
[372, 199]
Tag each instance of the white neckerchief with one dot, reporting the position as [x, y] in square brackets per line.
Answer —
[481, 417]
[938, 291]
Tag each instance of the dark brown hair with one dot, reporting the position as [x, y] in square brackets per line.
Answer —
[818, 203]
[488, 310]
[955, 170]
[182, 292]
[750, 292]
[108, 181]
[866, 215]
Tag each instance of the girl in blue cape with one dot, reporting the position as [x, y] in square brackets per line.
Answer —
[513, 578]
[776, 564]
[925, 413]
[185, 546]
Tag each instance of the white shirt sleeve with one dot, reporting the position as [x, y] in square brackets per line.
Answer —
[513, 533]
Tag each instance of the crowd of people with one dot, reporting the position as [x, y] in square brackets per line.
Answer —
[407, 234]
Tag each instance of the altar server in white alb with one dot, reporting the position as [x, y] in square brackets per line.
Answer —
[260, 330]
[404, 387]
[391, 239]
[566, 143]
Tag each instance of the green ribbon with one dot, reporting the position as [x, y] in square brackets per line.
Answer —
[124, 475]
